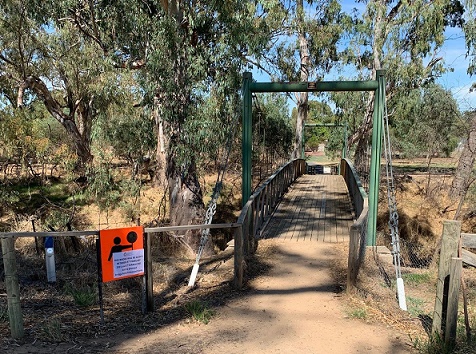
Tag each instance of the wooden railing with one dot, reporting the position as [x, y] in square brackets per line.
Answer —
[257, 212]
[359, 228]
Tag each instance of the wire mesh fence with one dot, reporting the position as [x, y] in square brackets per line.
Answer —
[413, 254]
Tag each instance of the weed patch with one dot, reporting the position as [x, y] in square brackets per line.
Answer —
[84, 296]
[199, 311]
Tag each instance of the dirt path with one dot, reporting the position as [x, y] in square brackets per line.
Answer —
[294, 308]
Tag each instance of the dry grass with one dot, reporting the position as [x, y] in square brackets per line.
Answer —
[422, 209]
[51, 313]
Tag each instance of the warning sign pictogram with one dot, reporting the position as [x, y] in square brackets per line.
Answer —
[122, 253]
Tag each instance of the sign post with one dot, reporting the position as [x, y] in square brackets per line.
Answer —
[122, 253]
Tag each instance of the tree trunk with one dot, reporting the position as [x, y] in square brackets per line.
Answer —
[162, 142]
[302, 98]
[461, 181]
[361, 136]
[81, 141]
[186, 205]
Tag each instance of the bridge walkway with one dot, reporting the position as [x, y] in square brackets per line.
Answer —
[316, 208]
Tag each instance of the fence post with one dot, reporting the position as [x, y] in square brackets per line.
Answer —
[456, 266]
[149, 273]
[449, 249]
[238, 258]
[353, 266]
[13, 289]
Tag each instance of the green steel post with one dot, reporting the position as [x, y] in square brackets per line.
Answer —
[375, 159]
[302, 141]
[344, 148]
[246, 139]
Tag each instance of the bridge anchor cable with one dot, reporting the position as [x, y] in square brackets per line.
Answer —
[393, 212]
[212, 205]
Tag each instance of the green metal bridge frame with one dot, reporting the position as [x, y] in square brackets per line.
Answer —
[378, 85]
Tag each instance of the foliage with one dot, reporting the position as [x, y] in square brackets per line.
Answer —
[424, 122]
[272, 126]
[29, 136]
[51, 331]
[415, 306]
[322, 22]
[47, 60]
[102, 187]
[129, 132]
[319, 112]
[392, 37]
[470, 35]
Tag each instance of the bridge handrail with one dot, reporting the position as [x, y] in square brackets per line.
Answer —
[358, 229]
[258, 209]
[274, 188]
[357, 192]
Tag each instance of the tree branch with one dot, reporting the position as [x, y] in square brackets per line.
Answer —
[7, 60]
[40, 89]
[394, 11]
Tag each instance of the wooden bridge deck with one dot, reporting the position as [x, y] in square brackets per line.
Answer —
[316, 208]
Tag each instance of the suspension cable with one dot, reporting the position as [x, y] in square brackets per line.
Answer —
[212, 205]
[392, 210]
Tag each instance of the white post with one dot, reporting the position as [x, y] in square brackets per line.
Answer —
[50, 260]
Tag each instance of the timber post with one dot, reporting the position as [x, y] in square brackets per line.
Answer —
[238, 258]
[456, 267]
[13, 289]
[353, 260]
[449, 250]
[149, 273]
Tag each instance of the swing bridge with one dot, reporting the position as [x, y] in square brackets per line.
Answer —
[291, 204]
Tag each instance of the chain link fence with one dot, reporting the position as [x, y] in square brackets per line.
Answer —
[413, 254]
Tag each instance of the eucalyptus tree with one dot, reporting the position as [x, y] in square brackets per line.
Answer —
[272, 127]
[424, 124]
[303, 46]
[184, 52]
[464, 171]
[43, 57]
[319, 113]
[470, 35]
[404, 38]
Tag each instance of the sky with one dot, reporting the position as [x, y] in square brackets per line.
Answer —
[458, 81]
[454, 53]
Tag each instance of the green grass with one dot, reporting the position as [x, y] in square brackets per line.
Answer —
[416, 279]
[51, 331]
[84, 296]
[199, 311]
[359, 313]
[415, 306]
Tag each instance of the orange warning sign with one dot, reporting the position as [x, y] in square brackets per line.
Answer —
[122, 253]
